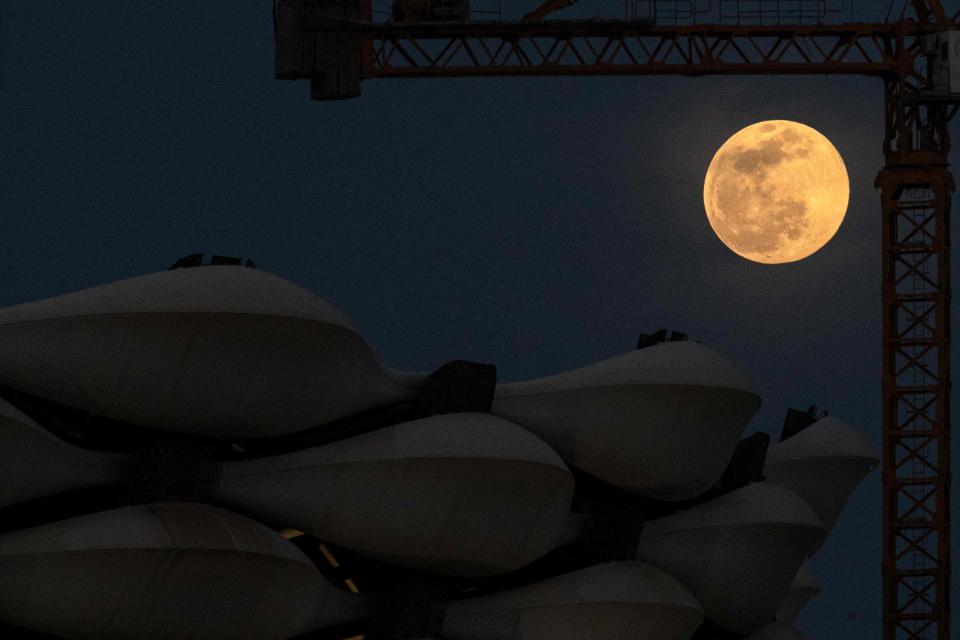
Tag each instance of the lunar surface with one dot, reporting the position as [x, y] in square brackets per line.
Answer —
[776, 192]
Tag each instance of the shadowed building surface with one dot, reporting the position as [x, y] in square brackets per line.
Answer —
[164, 571]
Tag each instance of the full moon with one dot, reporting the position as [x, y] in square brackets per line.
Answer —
[776, 192]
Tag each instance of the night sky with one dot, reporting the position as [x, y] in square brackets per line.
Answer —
[538, 224]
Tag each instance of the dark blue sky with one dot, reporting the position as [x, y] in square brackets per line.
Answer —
[538, 224]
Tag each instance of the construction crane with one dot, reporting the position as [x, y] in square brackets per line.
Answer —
[337, 45]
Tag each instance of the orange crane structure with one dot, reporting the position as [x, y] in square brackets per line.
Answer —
[337, 45]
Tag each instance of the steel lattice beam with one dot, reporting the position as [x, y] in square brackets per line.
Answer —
[591, 48]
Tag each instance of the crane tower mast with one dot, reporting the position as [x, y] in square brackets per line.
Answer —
[337, 45]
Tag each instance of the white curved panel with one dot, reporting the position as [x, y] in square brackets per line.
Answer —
[458, 494]
[224, 351]
[211, 289]
[777, 631]
[805, 588]
[164, 571]
[612, 601]
[823, 464]
[661, 422]
[737, 553]
[36, 464]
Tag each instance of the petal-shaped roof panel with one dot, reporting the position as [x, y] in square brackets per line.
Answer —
[36, 464]
[153, 526]
[805, 588]
[164, 571]
[670, 363]
[660, 422]
[220, 351]
[738, 553]
[828, 437]
[212, 289]
[611, 601]
[454, 436]
[757, 503]
[458, 494]
[823, 464]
